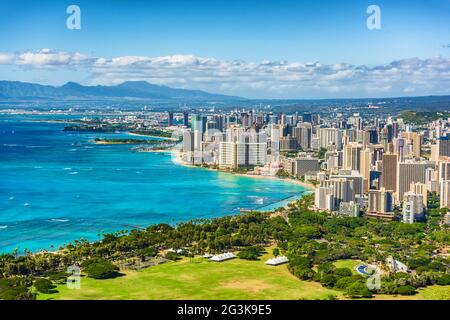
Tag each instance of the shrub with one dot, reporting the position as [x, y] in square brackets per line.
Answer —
[299, 261]
[250, 253]
[57, 277]
[328, 280]
[343, 283]
[172, 256]
[100, 269]
[406, 290]
[358, 290]
[303, 273]
[14, 289]
[276, 252]
[444, 280]
[44, 285]
[342, 272]
[327, 268]
[310, 232]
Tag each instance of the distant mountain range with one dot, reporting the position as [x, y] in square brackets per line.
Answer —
[16, 90]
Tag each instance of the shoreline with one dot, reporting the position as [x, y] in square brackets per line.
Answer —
[309, 188]
[176, 157]
[149, 136]
[176, 160]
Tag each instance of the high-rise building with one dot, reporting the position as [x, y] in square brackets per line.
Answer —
[416, 142]
[333, 160]
[186, 119]
[188, 146]
[273, 119]
[444, 170]
[443, 146]
[228, 155]
[303, 133]
[445, 194]
[234, 133]
[349, 209]
[410, 172]
[305, 165]
[351, 175]
[199, 123]
[330, 137]
[324, 198]
[420, 188]
[352, 156]
[342, 190]
[412, 206]
[380, 203]
[373, 135]
[366, 165]
[288, 144]
[384, 138]
[307, 117]
[389, 171]
[245, 154]
[170, 119]
[399, 147]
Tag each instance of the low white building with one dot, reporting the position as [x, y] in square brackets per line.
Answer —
[396, 266]
[222, 257]
[277, 261]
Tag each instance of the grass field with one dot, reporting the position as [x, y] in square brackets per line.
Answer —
[201, 279]
[429, 293]
[351, 264]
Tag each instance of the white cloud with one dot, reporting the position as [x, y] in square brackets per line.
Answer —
[6, 58]
[252, 79]
[48, 58]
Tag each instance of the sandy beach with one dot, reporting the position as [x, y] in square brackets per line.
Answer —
[177, 160]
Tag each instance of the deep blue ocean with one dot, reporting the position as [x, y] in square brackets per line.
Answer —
[56, 187]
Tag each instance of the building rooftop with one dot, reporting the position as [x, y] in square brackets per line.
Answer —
[277, 261]
[223, 257]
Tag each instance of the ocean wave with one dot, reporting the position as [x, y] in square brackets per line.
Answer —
[73, 172]
[3, 227]
[256, 199]
[59, 220]
[67, 169]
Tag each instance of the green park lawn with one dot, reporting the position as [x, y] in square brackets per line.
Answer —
[200, 279]
[348, 263]
[434, 292]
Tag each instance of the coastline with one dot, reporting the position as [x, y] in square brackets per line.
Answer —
[309, 188]
[176, 159]
[149, 136]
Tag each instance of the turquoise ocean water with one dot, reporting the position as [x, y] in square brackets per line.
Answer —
[56, 187]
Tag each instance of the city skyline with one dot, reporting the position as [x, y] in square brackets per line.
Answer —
[287, 50]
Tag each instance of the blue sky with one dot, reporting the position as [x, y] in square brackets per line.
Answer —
[250, 48]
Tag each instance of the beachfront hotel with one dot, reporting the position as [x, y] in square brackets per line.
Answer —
[374, 165]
